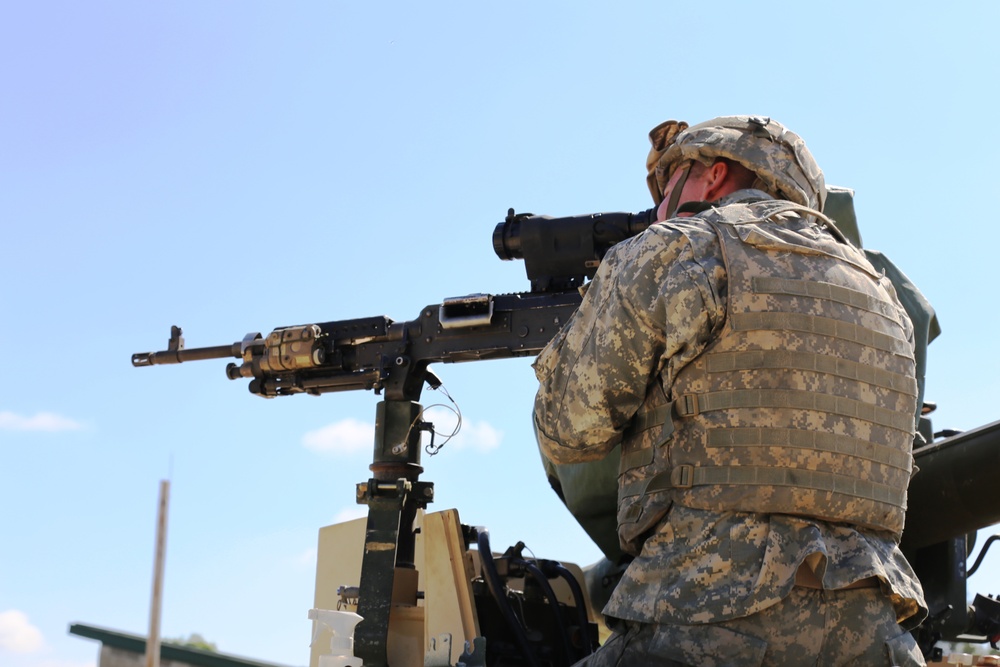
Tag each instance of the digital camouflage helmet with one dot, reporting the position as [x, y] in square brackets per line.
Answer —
[784, 166]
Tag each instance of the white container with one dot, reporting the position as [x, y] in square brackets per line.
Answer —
[341, 626]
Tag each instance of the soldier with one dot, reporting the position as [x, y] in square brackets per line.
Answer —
[758, 373]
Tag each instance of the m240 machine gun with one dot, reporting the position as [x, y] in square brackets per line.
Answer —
[393, 358]
[947, 498]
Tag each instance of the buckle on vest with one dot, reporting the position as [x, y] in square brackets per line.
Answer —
[633, 513]
[682, 477]
[687, 405]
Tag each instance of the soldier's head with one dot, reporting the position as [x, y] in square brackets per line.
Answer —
[710, 160]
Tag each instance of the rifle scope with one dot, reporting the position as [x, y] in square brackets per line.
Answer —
[559, 252]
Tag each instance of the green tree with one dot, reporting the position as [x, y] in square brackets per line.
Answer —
[193, 640]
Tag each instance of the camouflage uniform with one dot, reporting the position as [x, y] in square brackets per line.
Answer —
[810, 627]
[709, 585]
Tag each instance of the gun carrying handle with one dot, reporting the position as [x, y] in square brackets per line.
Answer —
[466, 311]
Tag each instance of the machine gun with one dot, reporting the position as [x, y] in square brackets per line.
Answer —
[382, 355]
[393, 358]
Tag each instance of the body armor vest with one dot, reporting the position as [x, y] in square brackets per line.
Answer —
[804, 404]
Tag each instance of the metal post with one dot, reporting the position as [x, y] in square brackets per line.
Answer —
[393, 496]
[153, 640]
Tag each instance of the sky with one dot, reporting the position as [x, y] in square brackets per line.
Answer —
[232, 167]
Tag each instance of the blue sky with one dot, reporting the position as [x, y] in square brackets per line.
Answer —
[234, 167]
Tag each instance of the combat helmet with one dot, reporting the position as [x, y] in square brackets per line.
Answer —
[784, 166]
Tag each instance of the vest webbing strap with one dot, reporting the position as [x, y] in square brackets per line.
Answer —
[685, 476]
[689, 405]
[822, 326]
[827, 291]
[659, 416]
[812, 440]
[763, 437]
[650, 418]
[810, 361]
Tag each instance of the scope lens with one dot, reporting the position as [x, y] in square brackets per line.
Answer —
[507, 240]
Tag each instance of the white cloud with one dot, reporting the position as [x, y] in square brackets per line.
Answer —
[479, 436]
[350, 436]
[17, 634]
[66, 663]
[41, 421]
[347, 436]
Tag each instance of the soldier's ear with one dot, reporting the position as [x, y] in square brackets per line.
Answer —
[716, 180]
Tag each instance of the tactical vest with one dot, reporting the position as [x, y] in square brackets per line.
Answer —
[804, 404]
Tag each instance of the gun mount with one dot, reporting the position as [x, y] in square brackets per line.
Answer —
[393, 358]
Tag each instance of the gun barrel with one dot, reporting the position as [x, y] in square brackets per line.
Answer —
[140, 359]
[953, 493]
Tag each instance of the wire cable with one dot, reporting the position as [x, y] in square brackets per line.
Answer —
[982, 554]
[496, 588]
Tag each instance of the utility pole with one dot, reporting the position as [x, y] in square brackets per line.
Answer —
[153, 639]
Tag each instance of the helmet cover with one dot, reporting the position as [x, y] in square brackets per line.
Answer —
[784, 166]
